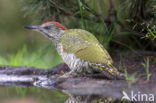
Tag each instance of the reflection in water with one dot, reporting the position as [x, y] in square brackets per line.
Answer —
[87, 99]
[75, 91]
[39, 95]
[36, 94]
[26, 100]
[93, 99]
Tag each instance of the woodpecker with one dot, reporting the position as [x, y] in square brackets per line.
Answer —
[79, 49]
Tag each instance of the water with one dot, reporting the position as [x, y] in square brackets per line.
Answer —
[76, 94]
[40, 95]
[36, 94]
[75, 91]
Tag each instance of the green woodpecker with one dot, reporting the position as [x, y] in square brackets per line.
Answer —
[79, 49]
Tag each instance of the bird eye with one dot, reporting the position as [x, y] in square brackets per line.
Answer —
[47, 27]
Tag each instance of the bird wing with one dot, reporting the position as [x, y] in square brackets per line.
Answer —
[85, 46]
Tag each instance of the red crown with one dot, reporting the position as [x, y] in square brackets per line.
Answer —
[56, 23]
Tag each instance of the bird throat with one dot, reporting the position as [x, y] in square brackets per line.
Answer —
[56, 36]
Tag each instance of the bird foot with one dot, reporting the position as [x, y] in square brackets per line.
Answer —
[70, 75]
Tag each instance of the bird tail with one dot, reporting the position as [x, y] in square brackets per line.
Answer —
[110, 72]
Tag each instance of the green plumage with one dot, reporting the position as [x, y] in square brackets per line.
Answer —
[86, 47]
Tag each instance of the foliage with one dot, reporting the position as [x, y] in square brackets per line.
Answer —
[54, 9]
[40, 59]
[142, 15]
[151, 33]
[146, 65]
[133, 16]
[130, 77]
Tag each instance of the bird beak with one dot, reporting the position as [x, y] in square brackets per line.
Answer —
[31, 27]
[39, 29]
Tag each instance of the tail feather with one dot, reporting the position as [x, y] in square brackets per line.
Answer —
[109, 71]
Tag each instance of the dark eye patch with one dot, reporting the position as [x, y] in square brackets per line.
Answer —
[47, 27]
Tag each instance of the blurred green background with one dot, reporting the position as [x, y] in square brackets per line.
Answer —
[21, 47]
[12, 33]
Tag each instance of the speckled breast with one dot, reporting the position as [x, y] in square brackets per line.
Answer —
[74, 63]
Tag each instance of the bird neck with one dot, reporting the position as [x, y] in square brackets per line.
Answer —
[57, 35]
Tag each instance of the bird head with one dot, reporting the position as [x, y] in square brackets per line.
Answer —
[51, 29]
